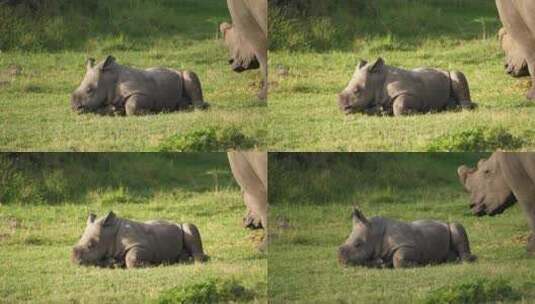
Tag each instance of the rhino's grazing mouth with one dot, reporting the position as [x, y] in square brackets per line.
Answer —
[481, 209]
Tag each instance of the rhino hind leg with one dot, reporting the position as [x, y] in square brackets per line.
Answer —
[193, 243]
[459, 242]
[193, 89]
[460, 90]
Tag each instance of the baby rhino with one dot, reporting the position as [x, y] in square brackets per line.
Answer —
[112, 241]
[382, 242]
[111, 88]
[376, 88]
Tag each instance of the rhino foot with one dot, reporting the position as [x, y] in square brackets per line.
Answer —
[531, 93]
[531, 245]
[252, 221]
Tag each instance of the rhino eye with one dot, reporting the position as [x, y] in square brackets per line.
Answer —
[89, 90]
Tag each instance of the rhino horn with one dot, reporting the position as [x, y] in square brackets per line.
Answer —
[462, 172]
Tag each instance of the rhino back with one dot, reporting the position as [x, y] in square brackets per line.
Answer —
[431, 86]
[163, 86]
[162, 239]
[433, 239]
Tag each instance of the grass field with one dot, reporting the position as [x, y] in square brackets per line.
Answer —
[39, 226]
[312, 60]
[40, 69]
[311, 217]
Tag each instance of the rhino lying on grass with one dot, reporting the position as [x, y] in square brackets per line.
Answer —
[376, 87]
[111, 88]
[112, 241]
[382, 242]
[499, 182]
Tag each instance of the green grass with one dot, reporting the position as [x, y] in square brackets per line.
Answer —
[311, 217]
[37, 231]
[303, 106]
[35, 112]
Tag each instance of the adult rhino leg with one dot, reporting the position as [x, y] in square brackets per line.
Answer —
[193, 89]
[262, 58]
[138, 105]
[459, 242]
[193, 243]
[461, 90]
[404, 258]
[515, 61]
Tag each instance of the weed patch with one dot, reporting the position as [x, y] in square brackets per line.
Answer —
[476, 139]
[477, 291]
[207, 139]
[208, 291]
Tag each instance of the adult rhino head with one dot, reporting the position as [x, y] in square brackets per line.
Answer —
[98, 85]
[96, 241]
[360, 247]
[360, 93]
[489, 192]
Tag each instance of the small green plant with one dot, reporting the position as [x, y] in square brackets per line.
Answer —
[476, 139]
[207, 139]
[208, 291]
[474, 291]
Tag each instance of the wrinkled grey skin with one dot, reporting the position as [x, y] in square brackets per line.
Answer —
[376, 88]
[515, 61]
[500, 181]
[112, 241]
[382, 242]
[518, 19]
[111, 88]
[247, 37]
[250, 172]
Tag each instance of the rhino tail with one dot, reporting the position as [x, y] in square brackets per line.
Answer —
[460, 90]
[193, 89]
[193, 243]
[459, 242]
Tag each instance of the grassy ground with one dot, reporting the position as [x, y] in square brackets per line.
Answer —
[311, 217]
[321, 53]
[39, 71]
[36, 238]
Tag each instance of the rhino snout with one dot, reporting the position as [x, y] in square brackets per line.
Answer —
[76, 255]
[76, 103]
[343, 256]
[344, 102]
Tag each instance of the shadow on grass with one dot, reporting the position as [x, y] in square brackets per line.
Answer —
[76, 25]
[403, 25]
[108, 178]
[378, 178]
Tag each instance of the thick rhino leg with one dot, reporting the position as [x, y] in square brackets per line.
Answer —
[405, 257]
[251, 220]
[460, 90]
[405, 104]
[515, 61]
[138, 105]
[459, 242]
[193, 89]
[193, 242]
[517, 18]
[136, 257]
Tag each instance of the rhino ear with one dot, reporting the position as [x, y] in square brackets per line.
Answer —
[361, 63]
[359, 218]
[91, 218]
[108, 62]
[90, 63]
[109, 219]
[377, 65]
